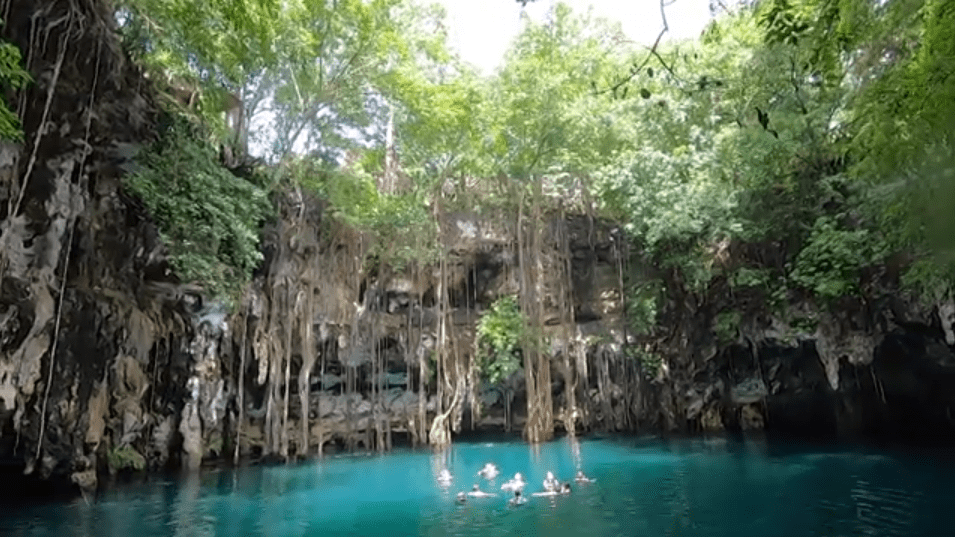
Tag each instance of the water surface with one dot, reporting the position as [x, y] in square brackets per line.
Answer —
[643, 487]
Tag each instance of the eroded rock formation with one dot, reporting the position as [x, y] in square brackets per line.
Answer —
[94, 332]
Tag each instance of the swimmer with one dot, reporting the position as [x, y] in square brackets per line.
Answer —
[581, 478]
[462, 498]
[517, 499]
[562, 489]
[478, 493]
[515, 484]
[550, 482]
[489, 471]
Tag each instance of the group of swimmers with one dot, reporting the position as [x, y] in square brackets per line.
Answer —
[552, 487]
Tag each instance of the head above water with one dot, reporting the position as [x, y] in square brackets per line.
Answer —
[476, 487]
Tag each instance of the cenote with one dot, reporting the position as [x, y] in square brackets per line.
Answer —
[701, 487]
[272, 267]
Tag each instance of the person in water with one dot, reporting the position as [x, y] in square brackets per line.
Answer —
[489, 471]
[581, 478]
[515, 484]
[478, 493]
[565, 488]
[518, 499]
[462, 498]
[550, 482]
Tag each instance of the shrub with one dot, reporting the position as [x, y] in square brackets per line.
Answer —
[12, 76]
[122, 458]
[499, 333]
[830, 262]
[208, 217]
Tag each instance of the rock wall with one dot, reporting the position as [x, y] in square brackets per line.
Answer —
[876, 368]
[94, 331]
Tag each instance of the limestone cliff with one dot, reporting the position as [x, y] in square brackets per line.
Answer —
[94, 332]
[879, 366]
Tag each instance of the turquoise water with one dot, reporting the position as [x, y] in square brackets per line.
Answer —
[653, 488]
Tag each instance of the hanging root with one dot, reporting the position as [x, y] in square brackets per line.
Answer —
[46, 112]
[56, 333]
[69, 245]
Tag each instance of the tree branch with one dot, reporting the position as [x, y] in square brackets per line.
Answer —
[653, 50]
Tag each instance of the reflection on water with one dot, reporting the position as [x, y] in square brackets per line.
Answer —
[700, 487]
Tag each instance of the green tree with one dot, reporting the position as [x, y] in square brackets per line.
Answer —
[548, 119]
[305, 70]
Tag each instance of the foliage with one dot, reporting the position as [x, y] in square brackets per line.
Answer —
[642, 307]
[805, 324]
[401, 224]
[726, 326]
[893, 64]
[548, 120]
[12, 77]
[750, 277]
[771, 130]
[439, 125]
[122, 458]
[930, 277]
[833, 257]
[208, 218]
[309, 72]
[793, 146]
[650, 362]
[499, 334]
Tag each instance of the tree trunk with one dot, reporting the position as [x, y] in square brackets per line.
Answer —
[350, 420]
[321, 392]
[547, 403]
[305, 373]
[240, 396]
[288, 373]
[422, 375]
[540, 419]
[440, 434]
[567, 323]
[527, 297]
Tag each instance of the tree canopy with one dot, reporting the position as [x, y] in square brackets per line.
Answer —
[823, 127]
